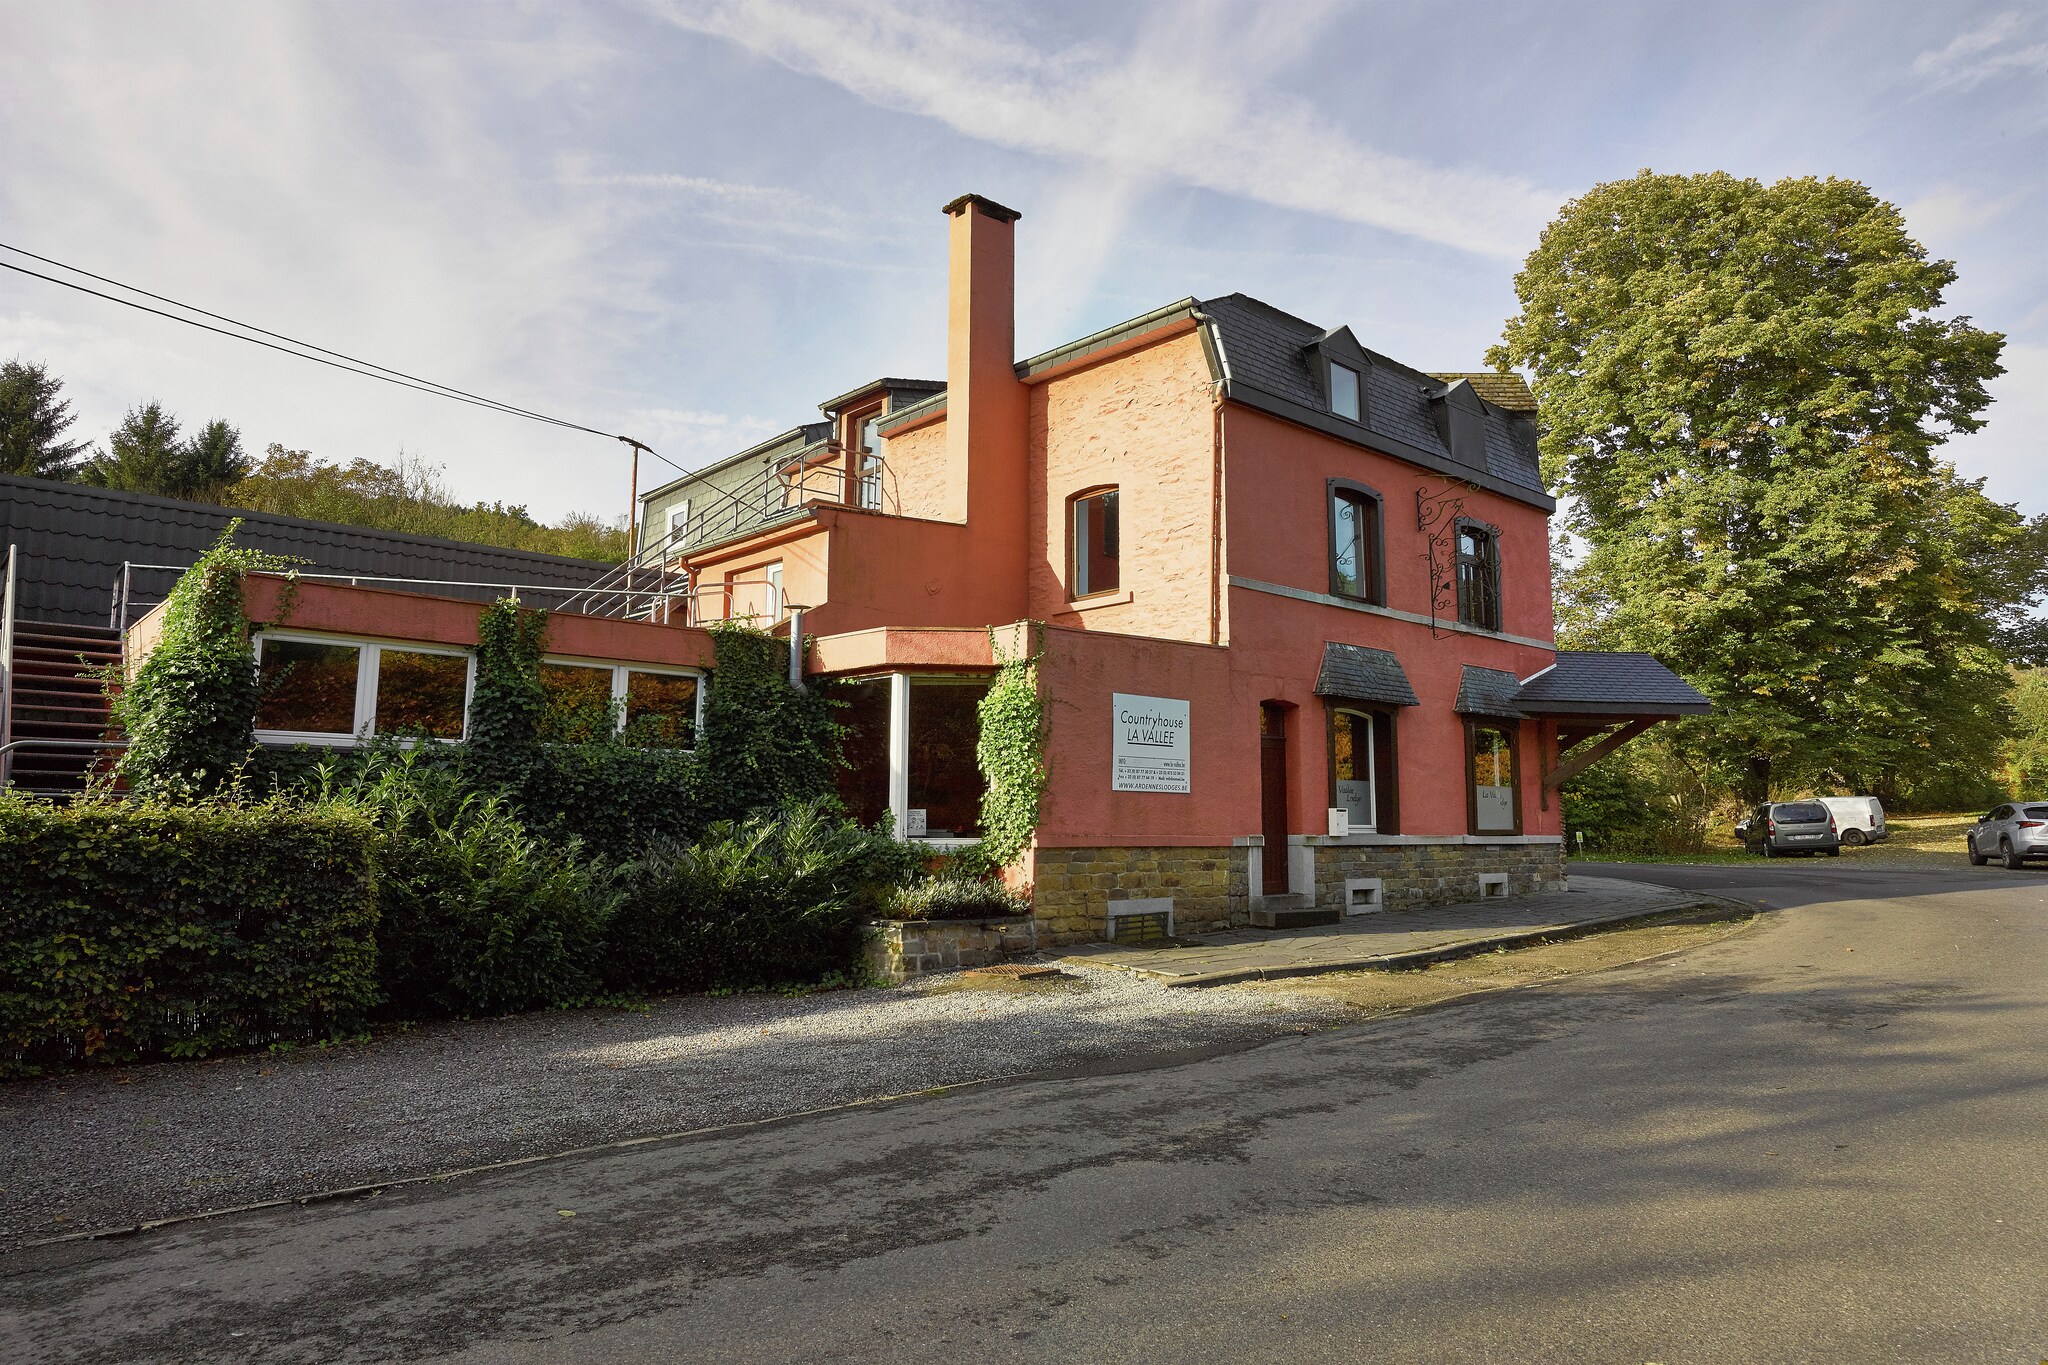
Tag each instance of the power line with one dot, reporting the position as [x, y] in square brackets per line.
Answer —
[367, 369]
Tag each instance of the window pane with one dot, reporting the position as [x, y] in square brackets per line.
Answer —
[864, 782]
[420, 694]
[1351, 766]
[1493, 780]
[661, 710]
[1351, 544]
[308, 687]
[945, 781]
[1478, 579]
[1095, 544]
[1344, 391]
[579, 703]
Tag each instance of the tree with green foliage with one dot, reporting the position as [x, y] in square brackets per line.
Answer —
[2024, 756]
[214, 461]
[410, 496]
[144, 454]
[33, 420]
[1742, 389]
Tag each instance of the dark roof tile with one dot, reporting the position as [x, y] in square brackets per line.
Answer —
[1620, 683]
[1363, 674]
[1487, 692]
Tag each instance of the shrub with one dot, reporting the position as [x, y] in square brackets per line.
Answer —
[775, 899]
[143, 930]
[954, 895]
[190, 709]
[765, 744]
[479, 917]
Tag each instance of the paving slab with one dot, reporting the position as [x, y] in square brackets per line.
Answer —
[1390, 940]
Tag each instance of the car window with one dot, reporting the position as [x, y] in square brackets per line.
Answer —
[2036, 812]
[1802, 813]
[2001, 813]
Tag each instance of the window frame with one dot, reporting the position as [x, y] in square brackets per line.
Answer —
[1513, 730]
[1463, 527]
[1357, 389]
[1385, 721]
[619, 682]
[1375, 571]
[1074, 501]
[369, 661]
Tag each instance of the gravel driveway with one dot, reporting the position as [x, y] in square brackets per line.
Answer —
[108, 1148]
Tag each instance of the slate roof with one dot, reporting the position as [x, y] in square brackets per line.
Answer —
[73, 540]
[1363, 674]
[1264, 353]
[1508, 392]
[1487, 692]
[1621, 684]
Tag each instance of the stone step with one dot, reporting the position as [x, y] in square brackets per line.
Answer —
[1290, 912]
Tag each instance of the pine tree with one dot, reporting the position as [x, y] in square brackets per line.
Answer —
[145, 455]
[33, 420]
[213, 460]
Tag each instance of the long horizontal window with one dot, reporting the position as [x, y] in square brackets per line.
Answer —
[327, 691]
[657, 708]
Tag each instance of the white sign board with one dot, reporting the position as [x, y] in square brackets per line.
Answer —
[1148, 744]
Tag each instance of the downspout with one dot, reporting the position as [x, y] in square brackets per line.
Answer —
[7, 668]
[1216, 523]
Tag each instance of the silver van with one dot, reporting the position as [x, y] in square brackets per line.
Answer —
[2011, 833]
[1778, 828]
[1859, 819]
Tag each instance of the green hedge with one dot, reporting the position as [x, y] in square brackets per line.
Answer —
[131, 931]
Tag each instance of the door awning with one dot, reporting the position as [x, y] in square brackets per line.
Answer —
[1362, 674]
[1590, 683]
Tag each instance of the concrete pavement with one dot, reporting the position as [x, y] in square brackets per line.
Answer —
[1815, 1141]
[1393, 940]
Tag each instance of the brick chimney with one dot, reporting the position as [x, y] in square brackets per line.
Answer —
[987, 408]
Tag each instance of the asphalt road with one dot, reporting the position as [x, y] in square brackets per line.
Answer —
[1820, 1140]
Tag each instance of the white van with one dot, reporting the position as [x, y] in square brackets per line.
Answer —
[1859, 818]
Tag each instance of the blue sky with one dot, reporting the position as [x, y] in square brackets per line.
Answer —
[692, 221]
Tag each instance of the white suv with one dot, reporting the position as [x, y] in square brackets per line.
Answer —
[2011, 833]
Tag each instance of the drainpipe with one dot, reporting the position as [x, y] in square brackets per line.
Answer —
[796, 648]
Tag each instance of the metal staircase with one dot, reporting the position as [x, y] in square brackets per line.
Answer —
[56, 708]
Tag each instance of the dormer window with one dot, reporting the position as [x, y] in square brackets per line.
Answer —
[1344, 391]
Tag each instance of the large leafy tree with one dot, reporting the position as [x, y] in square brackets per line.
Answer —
[33, 420]
[1743, 388]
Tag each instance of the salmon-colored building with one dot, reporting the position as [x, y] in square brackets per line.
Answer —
[1292, 602]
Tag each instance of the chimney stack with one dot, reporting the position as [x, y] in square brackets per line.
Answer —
[987, 412]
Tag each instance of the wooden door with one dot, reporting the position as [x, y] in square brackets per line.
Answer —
[1273, 797]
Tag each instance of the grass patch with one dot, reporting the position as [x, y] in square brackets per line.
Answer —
[1926, 840]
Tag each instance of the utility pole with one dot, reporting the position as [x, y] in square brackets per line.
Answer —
[633, 504]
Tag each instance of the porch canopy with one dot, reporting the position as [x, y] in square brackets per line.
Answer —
[1597, 701]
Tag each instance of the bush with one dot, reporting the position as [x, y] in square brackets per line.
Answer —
[776, 899]
[479, 917]
[131, 931]
[953, 895]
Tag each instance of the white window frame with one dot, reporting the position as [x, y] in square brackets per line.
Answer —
[1372, 764]
[773, 573]
[678, 516]
[1357, 392]
[618, 694]
[369, 656]
[899, 753]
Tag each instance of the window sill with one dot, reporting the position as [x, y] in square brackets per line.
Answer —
[1100, 599]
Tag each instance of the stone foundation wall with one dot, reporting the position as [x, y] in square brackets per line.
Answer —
[1071, 888]
[1418, 875]
[899, 949]
[1211, 887]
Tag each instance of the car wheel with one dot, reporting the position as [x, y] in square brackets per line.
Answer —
[2014, 859]
[1853, 837]
[1835, 852]
[1970, 845]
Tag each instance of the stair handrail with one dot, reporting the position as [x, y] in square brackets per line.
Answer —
[7, 665]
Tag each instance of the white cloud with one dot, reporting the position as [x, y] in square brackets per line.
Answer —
[1947, 212]
[1183, 106]
[2010, 450]
[1998, 48]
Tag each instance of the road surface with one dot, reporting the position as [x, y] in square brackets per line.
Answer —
[1819, 1140]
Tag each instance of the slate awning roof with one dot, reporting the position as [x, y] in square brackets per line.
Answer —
[1362, 674]
[1584, 682]
[1488, 692]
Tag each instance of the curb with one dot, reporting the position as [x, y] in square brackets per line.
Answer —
[1423, 957]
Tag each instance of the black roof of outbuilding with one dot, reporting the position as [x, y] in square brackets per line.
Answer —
[1592, 683]
[72, 541]
[1363, 674]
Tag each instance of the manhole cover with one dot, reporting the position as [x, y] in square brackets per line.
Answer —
[1017, 971]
